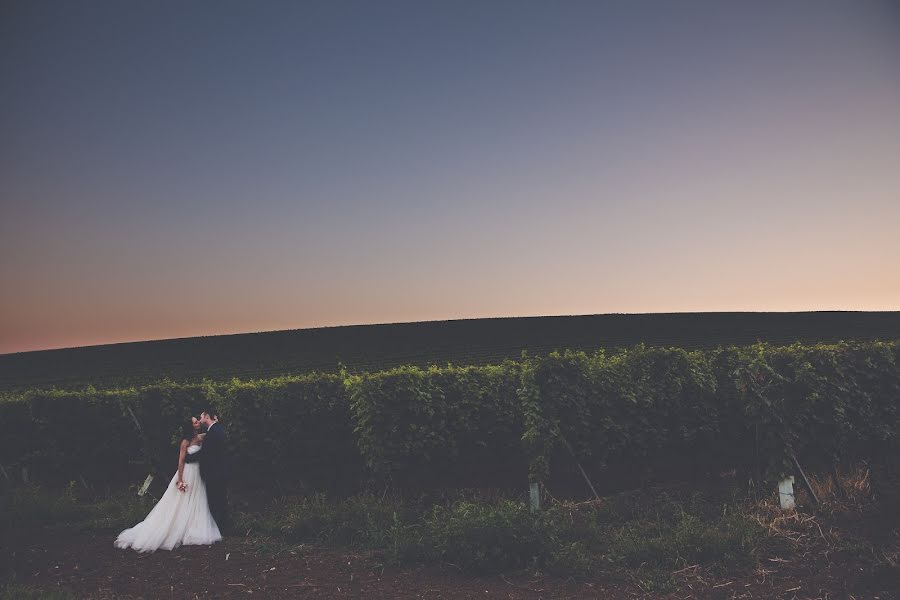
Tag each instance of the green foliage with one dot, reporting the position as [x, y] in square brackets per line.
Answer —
[483, 537]
[822, 402]
[685, 540]
[633, 405]
[642, 536]
[439, 426]
[359, 521]
[539, 427]
[658, 534]
[78, 434]
[18, 434]
[30, 506]
[370, 348]
[754, 407]
[290, 429]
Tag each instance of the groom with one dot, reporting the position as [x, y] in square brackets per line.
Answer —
[212, 467]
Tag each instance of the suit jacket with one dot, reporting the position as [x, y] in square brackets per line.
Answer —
[211, 455]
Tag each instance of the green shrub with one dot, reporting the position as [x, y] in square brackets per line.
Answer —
[294, 429]
[821, 403]
[30, 506]
[641, 536]
[686, 540]
[653, 410]
[630, 408]
[80, 434]
[362, 520]
[446, 427]
[481, 538]
[18, 435]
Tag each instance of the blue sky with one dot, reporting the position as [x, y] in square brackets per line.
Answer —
[178, 169]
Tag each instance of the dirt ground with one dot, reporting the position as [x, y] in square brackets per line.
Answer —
[87, 565]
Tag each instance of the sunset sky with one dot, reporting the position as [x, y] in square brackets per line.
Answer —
[195, 168]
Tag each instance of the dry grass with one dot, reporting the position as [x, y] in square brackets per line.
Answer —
[846, 491]
[847, 485]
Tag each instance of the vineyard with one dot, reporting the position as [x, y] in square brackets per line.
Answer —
[369, 348]
[635, 411]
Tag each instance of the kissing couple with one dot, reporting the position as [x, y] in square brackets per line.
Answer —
[194, 508]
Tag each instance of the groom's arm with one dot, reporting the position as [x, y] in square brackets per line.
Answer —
[210, 443]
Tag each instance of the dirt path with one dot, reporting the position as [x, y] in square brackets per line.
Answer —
[88, 565]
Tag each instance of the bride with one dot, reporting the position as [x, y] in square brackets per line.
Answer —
[181, 517]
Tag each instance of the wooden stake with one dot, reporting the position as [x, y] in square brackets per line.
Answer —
[586, 478]
[143, 489]
[805, 480]
[134, 418]
[578, 464]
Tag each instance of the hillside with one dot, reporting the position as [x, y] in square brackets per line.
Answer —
[471, 341]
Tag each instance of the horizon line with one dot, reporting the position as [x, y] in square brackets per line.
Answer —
[451, 320]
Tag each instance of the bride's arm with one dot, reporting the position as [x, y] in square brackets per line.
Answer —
[181, 454]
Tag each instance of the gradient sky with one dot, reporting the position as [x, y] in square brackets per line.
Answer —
[194, 168]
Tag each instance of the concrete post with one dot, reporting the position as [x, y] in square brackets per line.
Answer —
[786, 493]
[534, 492]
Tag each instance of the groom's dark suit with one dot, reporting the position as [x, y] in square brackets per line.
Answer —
[213, 471]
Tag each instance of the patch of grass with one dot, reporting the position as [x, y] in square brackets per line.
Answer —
[624, 537]
[639, 538]
[729, 541]
[30, 506]
[364, 520]
[481, 538]
[653, 580]
[649, 535]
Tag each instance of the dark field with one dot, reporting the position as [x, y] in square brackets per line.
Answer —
[462, 342]
[663, 543]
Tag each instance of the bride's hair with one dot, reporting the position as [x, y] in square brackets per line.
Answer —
[187, 430]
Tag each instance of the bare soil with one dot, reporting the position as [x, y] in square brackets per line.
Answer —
[87, 565]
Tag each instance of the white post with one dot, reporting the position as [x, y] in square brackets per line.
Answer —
[25, 474]
[786, 493]
[534, 492]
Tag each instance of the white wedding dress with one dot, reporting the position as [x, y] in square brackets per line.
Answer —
[179, 518]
